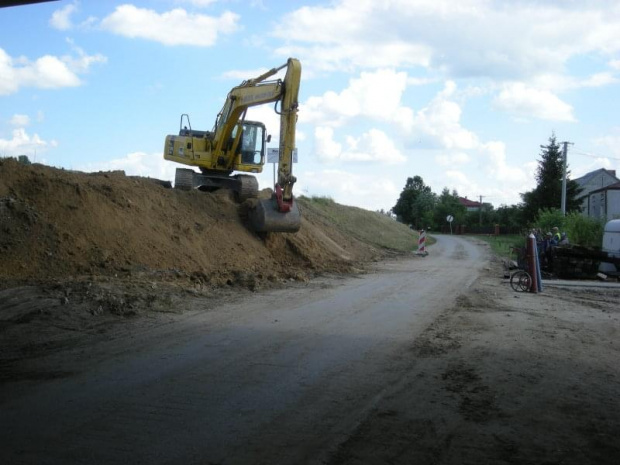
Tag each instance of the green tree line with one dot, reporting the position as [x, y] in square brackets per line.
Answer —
[421, 208]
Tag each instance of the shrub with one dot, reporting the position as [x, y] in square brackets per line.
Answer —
[548, 218]
[581, 230]
[584, 231]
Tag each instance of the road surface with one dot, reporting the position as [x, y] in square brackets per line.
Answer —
[281, 377]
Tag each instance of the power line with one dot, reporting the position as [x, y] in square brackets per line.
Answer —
[591, 155]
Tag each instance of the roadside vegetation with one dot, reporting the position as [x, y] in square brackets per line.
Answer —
[368, 226]
[502, 245]
[539, 209]
[581, 230]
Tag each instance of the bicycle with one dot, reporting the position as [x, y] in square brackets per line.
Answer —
[520, 280]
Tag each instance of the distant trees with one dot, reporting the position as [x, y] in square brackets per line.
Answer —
[548, 192]
[415, 204]
[448, 204]
[420, 207]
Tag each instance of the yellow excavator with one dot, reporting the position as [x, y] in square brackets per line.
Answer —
[236, 144]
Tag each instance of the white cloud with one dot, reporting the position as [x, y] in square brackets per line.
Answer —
[438, 124]
[198, 3]
[451, 159]
[61, 19]
[82, 62]
[469, 38]
[142, 164]
[373, 192]
[592, 165]
[23, 144]
[175, 27]
[560, 83]
[372, 146]
[46, 72]
[496, 167]
[609, 144]
[373, 95]
[20, 120]
[523, 101]
[326, 148]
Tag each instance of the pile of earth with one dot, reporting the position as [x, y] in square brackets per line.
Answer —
[57, 224]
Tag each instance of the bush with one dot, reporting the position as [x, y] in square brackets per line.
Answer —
[322, 200]
[547, 219]
[584, 231]
[581, 230]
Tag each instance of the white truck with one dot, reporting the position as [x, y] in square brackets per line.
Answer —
[611, 245]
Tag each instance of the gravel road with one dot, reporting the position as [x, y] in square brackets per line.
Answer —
[276, 377]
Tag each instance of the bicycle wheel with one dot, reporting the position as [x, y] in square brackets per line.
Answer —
[521, 281]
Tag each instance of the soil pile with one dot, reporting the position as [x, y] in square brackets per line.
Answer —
[58, 224]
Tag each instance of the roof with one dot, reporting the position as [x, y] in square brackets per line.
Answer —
[586, 177]
[469, 203]
[611, 187]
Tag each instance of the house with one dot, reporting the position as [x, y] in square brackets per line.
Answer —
[592, 181]
[470, 205]
[604, 203]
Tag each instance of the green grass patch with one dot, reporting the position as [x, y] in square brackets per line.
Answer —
[502, 245]
[371, 227]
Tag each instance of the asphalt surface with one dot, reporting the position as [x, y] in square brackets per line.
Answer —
[281, 377]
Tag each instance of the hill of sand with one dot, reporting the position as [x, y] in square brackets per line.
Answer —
[59, 224]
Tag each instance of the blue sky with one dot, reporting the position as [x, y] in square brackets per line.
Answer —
[460, 93]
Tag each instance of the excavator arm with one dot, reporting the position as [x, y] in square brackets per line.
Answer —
[280, 213]
[259, 91]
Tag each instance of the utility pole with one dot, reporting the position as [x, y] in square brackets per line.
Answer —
[480, 210]
[564, 155]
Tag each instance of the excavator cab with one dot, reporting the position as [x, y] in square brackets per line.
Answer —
[251, 147]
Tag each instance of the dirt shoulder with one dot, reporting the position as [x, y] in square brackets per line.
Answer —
[505, 377]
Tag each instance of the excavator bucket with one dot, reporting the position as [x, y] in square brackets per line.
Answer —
[264, 216]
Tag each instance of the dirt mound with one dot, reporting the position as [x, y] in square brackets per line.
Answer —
[57, 224]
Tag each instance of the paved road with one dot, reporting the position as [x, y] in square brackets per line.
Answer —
[278, 378]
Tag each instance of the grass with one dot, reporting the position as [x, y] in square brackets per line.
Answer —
[501, 245]
[368, 226]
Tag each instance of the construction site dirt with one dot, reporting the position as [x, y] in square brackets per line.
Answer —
[139, 323]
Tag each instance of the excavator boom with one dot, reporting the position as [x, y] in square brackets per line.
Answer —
[281, 213]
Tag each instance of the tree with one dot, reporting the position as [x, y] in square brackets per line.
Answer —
[548, 192]
[423, 208]
[448, 204]
[509, 217]
[408, 209]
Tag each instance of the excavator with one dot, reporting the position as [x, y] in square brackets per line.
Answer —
[238, 145]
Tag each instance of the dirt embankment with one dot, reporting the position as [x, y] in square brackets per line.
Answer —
[57, 224]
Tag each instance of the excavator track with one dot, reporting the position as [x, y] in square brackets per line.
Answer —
[184, 179]
[248, 187]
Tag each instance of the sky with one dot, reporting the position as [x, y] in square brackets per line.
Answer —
[462, 93]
